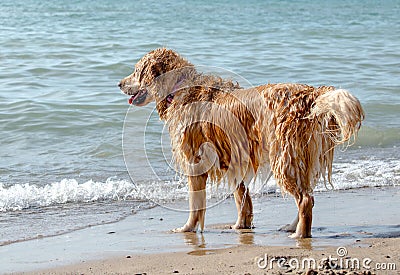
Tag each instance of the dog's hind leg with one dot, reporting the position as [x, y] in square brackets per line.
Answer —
[197, 204]
[244, 207]
[293, 226]
[305, 203]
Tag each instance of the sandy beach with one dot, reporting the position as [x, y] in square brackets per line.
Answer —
[373, 256]
[355, 229]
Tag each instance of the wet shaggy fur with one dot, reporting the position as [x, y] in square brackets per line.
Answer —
[222, 132]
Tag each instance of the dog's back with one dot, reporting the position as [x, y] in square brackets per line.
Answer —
[292, 127]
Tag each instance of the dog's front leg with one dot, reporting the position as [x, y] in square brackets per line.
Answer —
[197, 204]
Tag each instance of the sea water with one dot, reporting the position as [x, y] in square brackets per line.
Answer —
[62, 115]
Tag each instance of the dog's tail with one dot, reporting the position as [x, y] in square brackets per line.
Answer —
[341, 114]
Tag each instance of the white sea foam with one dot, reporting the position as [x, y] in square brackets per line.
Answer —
[347, 175]
[21, 196]
[354, 174]
[366, 173]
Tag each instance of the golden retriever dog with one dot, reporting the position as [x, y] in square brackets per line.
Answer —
[221, 132]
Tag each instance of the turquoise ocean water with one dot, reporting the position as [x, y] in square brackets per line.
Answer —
[62, 114]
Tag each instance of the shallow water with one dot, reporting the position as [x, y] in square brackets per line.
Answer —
[61, 113]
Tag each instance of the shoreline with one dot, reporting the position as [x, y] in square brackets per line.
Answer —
[355, 219]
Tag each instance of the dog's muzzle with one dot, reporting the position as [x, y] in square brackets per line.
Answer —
[138, 98]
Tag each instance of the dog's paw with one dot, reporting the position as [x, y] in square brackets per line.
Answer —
[288, 228]
[183, 229]
[178, 230]
[241, 226]
[299, 236]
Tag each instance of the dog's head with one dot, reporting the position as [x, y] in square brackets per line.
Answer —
[139, 84]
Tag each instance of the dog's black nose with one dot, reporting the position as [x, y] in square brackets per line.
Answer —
[120, 84]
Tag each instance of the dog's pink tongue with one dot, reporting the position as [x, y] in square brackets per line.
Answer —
[130, 100]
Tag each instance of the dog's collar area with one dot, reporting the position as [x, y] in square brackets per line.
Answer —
[177, 85]
[170, 97]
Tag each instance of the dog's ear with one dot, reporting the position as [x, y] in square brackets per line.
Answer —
[158, 68]
[167, 60]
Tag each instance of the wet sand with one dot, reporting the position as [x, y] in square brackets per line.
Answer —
[364, 221]
[377, 256]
